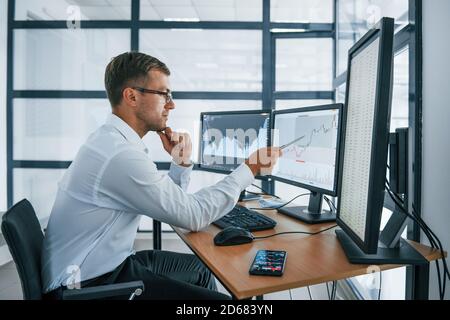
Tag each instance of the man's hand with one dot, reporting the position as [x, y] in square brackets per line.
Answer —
[263, 160]
[178, 145]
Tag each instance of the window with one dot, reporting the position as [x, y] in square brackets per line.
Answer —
[61, 59]
[38, 186]
[355, 18]
[304, 64]
[208, 60]
[201, 10]
[214, 50]
[67, 9]
[400, 95]
[54, 129]
[301, 11]
[292, 104]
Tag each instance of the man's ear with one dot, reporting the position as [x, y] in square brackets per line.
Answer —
[129, 96]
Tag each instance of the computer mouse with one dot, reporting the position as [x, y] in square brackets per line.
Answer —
[231, 236]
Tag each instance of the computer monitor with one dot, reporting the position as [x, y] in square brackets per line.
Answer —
[366, 123]
[228, 138]
[311, 138]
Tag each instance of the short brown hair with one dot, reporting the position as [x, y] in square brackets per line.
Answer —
[127, 68]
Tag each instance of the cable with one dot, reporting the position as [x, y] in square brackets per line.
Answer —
[441, 249]
[255, 193]
[290, 294]
[284, 204]
[330, 204]
[379, 289]
[432, 238]
[264, 191]
[438, 240]
[333, 290]
[291, 232]
[328, 291]
[309, 292]
[400, 204]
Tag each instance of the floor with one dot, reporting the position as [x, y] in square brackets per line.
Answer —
[10, 288]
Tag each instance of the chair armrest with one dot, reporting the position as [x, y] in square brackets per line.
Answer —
[106, 291]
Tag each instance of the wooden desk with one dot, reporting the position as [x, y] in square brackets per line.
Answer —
[311, 259]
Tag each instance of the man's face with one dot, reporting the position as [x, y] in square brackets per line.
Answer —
[152, 109]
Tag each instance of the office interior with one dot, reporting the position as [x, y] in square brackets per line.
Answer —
[224, 55]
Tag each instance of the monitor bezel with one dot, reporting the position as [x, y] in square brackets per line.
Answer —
[384, 30]
[202, 167]
[333, 106]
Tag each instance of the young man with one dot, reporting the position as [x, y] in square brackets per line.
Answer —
[113, 181]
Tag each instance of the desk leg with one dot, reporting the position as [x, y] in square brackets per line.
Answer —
[421, 282]
[156, 235]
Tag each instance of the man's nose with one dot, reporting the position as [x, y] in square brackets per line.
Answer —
[170, 105]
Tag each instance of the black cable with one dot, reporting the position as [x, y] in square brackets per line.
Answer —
[291, 232]
[379, 289]
[284, 204]
[400, 204]
[328, 291]
[309, 292]
[330, 204]
[255, 193]
[264, 191]
[441, 249]
[437, 239]
[333, 290]
[432, 238]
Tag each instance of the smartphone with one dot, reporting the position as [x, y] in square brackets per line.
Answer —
[268, 263]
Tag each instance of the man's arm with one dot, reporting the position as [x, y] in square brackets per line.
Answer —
[131, 183]
[181, 175]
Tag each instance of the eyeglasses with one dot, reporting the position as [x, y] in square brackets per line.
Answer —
[167, 95]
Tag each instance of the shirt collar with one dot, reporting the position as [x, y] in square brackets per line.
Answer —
[125, 130]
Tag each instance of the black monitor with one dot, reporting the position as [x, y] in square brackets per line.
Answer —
[366, 124]
[227, 138]
[310, 157]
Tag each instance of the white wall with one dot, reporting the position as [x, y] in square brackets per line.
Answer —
[436, 128]
[3, 30]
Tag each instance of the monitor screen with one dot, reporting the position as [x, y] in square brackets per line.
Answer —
[365, 136]
[311, 139]
[228, 138]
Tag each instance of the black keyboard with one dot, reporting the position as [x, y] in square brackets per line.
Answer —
[245, 218]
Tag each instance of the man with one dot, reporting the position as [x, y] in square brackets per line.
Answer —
[113, 181]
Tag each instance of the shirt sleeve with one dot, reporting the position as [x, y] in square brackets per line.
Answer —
[180, 175]
[131, 183]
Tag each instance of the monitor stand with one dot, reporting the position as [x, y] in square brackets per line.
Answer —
[313, 213]
[247, 196]
[404, 253]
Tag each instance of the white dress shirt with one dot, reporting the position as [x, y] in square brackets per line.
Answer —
[109, 185]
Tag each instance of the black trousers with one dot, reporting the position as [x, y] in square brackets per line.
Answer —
[166, 275]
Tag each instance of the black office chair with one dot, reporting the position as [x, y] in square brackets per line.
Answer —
[23, 234]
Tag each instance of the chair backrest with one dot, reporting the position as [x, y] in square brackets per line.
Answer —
[23, 234]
